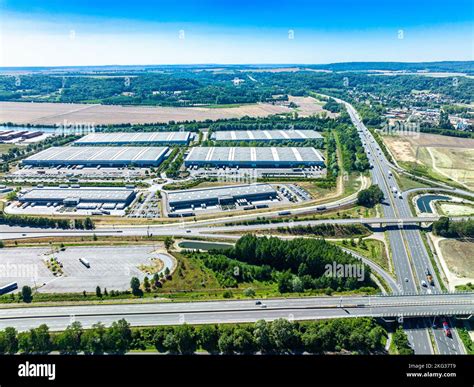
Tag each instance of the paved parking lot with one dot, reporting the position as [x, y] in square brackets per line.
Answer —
[250, 175]
[110, 267]
[83, 173]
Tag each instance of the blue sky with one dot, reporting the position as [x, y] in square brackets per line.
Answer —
[71, 32]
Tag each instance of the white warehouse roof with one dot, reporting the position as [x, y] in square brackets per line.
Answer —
[102, 194]
[132, 138]
[191, 195]
[94, 155]
[266, 135]
[269, 156]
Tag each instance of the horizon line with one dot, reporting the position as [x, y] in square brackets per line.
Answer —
[239, 64]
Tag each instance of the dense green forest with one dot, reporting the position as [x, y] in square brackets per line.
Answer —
[354, 157]
[188, 86]
[448, 229]
[302, 262]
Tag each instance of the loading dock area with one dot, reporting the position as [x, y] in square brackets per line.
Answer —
[181, 203]
[73, 199]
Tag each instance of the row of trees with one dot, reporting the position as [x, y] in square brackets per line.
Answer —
[327, 230]
[357, 335]
[98, 340]
[42, 222]
[448, 229]
[270, 123]
[172, 170]
[281, 121]
[186, 87]
[354, 157]
[331, 159]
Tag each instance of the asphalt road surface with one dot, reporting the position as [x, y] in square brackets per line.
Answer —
[410, 257]
[168, 313]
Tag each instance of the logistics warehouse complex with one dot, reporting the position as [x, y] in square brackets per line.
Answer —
[145, 139]
[254, 157]
[266, 135]
[90, 198]
[207, 197]
[95, 156]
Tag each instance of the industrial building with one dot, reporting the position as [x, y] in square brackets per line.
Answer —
[266, 135]
[95, 156]
[136, 139]
[9, 135]
[82, 198]
[254, 157]
[220, 196]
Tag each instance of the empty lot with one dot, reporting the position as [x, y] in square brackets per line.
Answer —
[110, 267]
[446, 156]
[81, 114]
[459, 256]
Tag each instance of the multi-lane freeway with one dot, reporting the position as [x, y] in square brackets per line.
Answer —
[410, 256]
[199, 229]
[169, 313]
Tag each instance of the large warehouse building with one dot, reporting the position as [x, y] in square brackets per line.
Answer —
[253, 157]
[266, 135]
[145, 139]
[111, 198]
[95, 156]
[219, 196]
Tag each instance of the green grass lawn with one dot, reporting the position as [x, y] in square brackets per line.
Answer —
[4, 148]
[373, 250]
[405, 183]
[428, 172]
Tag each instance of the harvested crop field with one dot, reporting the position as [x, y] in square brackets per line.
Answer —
[308, 106]
[457, 164]
[459, 256]
[450, 157]
[58, 113]
[456, 209]
[401, 148]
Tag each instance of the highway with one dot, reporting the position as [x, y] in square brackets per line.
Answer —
[410, 257]
[308, 308]
[17, 232]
